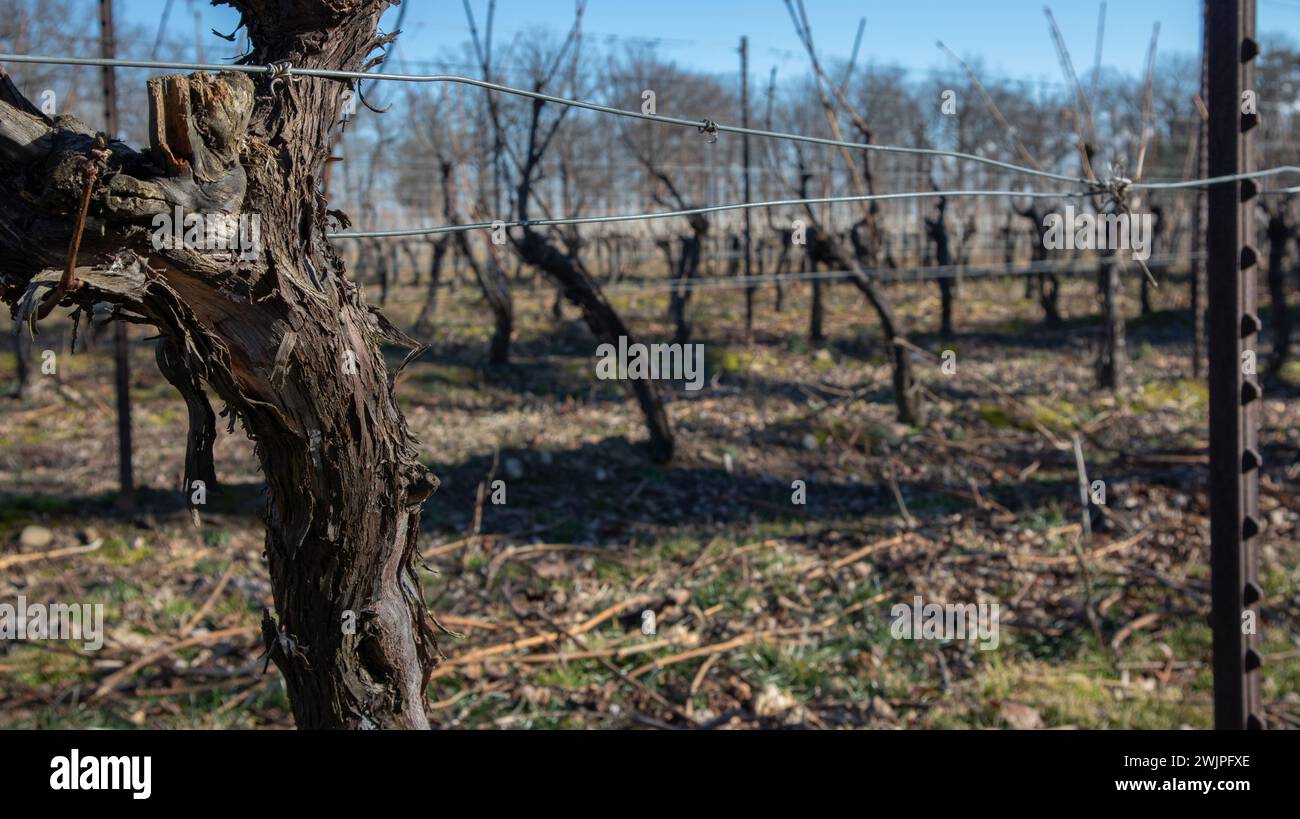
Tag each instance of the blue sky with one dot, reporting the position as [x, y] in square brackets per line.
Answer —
[1010, 36]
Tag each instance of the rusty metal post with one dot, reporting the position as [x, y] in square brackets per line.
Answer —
[121, 341]
[1235, 394]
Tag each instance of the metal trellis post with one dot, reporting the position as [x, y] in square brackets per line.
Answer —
[1235, 394]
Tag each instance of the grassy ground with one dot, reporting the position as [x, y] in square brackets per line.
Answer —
[767, 613]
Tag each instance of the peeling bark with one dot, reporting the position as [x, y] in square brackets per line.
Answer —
[283, 337]
[175, 366]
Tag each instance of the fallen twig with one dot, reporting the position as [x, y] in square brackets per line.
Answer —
[68, 551]
[207, 604]
[113, 680]
[540, 639]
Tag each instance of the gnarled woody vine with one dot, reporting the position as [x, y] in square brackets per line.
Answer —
[284, 339]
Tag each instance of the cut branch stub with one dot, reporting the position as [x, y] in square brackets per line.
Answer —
[197, 123]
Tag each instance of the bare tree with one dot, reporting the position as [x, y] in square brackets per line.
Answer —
[685, 268]
[1048, 284]
[438, 248]
[569, 274]
[437, 128]
[937, 230]
[655, 150]
[907, 396]
[490, 274]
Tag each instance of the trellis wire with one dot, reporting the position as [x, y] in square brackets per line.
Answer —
[889, 275]
[669, 214]
[331, 74]
[286, 70]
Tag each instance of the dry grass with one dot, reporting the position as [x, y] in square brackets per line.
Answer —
[766, 613]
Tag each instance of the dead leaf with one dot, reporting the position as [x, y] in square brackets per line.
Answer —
[1020, 716]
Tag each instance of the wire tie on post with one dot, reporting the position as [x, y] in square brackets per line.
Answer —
[281, 71]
